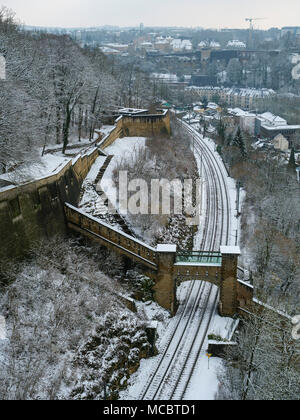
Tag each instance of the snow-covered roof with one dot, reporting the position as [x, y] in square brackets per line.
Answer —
[165, 76]
[164, 41]
[281, 127]
[240, 112]
[180, 44]
[273, 119]
[236, 44]
[215, 44]
[132, 111]
[250, 92]
[198, 107]
[212, 105]
[108, 50]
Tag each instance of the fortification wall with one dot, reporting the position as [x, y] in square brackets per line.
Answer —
[35, 210]
[245, 294]
[147, 125]
[115, 134]
[138, 126]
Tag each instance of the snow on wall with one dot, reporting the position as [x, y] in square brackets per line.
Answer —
[34, 209]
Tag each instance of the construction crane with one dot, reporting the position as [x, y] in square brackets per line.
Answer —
[251, 27]
[250, 20]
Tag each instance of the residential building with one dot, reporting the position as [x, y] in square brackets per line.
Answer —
[179, 45]
[236, 44]
[293, 30]
[245, 119]
[246, 98]
[215, 45]
[298, 173]
[203, 80]
[287, 131]
[270, 126]
[118, 47]
[280, 143]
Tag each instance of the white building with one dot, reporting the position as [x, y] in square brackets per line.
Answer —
[215, 45]
[202, 44]
[280, 143]
[298, 173]
[245, 98]
[235, 43]
[109, 51]
[181, 45]
[246, 119]
[270, 119]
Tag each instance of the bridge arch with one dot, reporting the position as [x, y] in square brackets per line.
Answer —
[217, 268]
[168, 266]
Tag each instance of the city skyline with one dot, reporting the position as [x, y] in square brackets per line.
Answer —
[189, 13]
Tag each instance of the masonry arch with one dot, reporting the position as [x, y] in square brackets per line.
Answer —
[219, 269]
[169, 267]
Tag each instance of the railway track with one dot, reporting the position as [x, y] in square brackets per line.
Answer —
[177, 364]
[219, 176]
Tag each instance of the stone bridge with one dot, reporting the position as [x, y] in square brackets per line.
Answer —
[164, 264]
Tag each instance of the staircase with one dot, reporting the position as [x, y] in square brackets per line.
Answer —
[98, 177]
[103, 169]
[117, 218]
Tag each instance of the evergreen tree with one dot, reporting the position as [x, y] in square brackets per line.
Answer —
[221, 130]
[240, 143]
[292, 162]
[204, 102]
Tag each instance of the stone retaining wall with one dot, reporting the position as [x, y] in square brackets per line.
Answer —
[35, 210]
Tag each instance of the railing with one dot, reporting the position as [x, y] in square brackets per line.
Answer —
[198, 257]
[111, 235]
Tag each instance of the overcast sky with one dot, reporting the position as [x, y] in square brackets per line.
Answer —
[204, 13]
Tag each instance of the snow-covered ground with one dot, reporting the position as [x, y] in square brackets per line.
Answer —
[121, 149]
[204, 381]
[204, 386]
[107, 129]
[91, 176]
[153, 312]
[91, 202]
[48, 165]
[73, 142]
